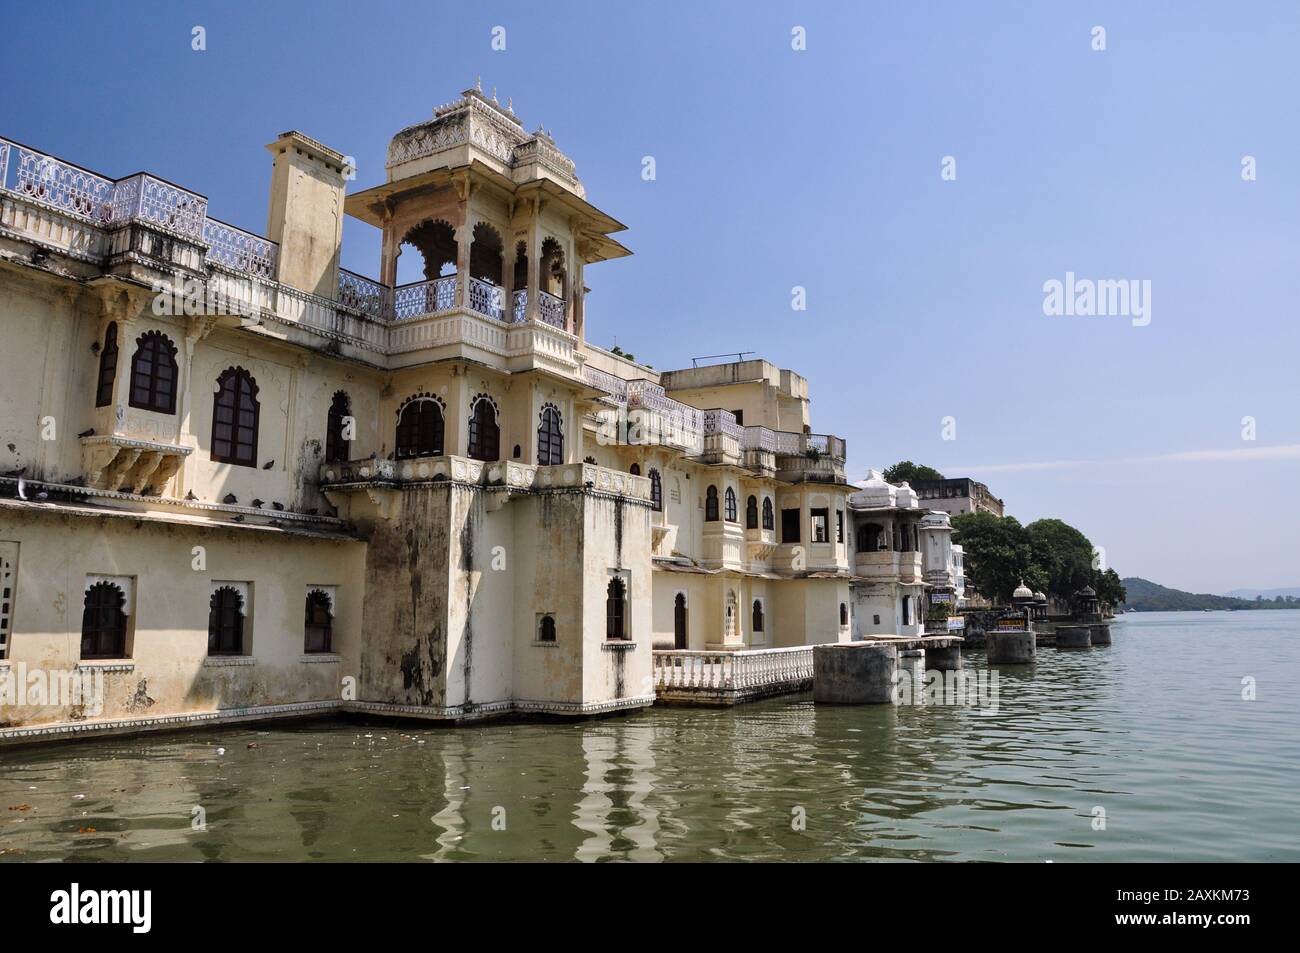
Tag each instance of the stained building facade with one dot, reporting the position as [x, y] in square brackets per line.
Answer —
[239, 481]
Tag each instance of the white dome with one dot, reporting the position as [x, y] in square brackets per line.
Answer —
[874, 493]
[1022, 592]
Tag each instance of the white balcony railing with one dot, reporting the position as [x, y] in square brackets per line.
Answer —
[362, 294]
[550, 309]
[424, 297]
[239, 250]
[730, 677]
[487, 298]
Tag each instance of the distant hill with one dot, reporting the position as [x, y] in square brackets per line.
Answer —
[1266, 593]
[1147, 596]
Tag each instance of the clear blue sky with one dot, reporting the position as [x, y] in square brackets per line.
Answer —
[821, 168]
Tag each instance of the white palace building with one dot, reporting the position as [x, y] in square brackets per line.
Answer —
[238, 481]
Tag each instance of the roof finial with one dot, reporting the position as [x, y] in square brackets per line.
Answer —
[510, 104]
[478, 83]
[494, 95]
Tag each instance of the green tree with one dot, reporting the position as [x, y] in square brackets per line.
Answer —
[1063, 554]
[999, 554]
[1110, 588]
[905, 471]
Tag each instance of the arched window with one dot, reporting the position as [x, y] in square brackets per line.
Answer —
[634, 469]
[546, 629]
[769, 518]
[757, 621]
[486, 254]
[844, 613]
[751, 513]
[234, 418]
[153, 373]
[656, 491]
[336, 443]
[318, 627]
[484, 433]
[436, 242]
[711, 504]
[103, 622]
[226, 622]
[550, 438]
[419, 428]
[731, 505]
[907, 610]
[681, 635]
[616, 610]
[107, 367]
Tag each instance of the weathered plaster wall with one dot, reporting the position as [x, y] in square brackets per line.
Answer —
[168, 626]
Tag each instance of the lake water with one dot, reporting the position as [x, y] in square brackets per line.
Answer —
[1153, 730]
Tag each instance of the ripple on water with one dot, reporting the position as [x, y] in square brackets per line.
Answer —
[1152, 730]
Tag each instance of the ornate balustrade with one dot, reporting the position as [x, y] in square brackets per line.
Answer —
[614, 385]
[57, 184]
[550, 309]
[731, 677]
[239, 250]
[509, 474]
[424, 297]
[520, 306]
[487, 298]
[759, 438]
[362, 294]
[654, 417]
[722, 422]
[143, 198]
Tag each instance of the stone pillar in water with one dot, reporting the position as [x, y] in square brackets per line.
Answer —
[1012, 646]
[855, 673]
[944, 659]
[1100, 634]
[1073, 637]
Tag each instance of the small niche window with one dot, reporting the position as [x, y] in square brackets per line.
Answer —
[226, 621]
[711, 504]
[318, 627]
[751, 513]
[757, 621]
[546, 629]
[656, 491]
[616, 609]
[103, 621]
[768, 517]
[731, 505]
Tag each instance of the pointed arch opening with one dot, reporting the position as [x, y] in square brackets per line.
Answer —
[420, 427]
[484, 431]
[235, 413]
[550, 437]
[338, 432]
[154, 373]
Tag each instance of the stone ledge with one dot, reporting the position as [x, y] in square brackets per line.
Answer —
[221, 661]
[107, 665]
[320, 658]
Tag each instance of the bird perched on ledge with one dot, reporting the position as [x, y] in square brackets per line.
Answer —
[230, 498]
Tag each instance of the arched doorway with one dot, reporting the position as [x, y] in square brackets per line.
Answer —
[681, 635]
